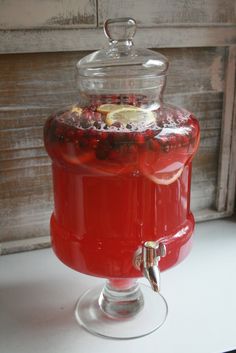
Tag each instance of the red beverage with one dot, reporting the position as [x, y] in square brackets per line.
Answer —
[121, 162]
[121, 177]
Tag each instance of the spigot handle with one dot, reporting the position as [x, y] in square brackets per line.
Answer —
[147, 261]
[153, 251]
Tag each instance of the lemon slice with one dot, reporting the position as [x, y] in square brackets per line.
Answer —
[130, 115]
[107, 108]
[76, 109]
[166, 178]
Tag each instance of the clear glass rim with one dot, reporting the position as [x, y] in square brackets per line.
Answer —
[142, 331]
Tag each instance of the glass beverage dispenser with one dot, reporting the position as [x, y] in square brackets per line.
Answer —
[121, 163]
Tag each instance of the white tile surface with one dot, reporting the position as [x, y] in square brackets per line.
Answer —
[38, 294]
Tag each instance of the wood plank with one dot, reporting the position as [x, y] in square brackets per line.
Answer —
[25, 230]
[26, 41]
[203, 194]
[48, 13]
[30, 226]
[14, 246]
[199, 69]
[205, 166]
[21, 207]
[32, 86]
[150, 13]
[25, 181]
[25, 153]
[208, 214]
[21, 138]
[226, 131]
[24, 163]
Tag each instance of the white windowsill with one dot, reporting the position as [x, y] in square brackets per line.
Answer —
[38, 294]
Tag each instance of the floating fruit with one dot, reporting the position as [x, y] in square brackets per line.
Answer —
[107, 108]
[130, 115]
[165, 178]
[76, 109]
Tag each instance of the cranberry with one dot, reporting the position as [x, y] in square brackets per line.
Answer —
[132, 99]
[97, 124]
[97, 116]
[93, 107]
[149, 133]
[88, 115]
[114, 98]
[117, 124]
[85, 123]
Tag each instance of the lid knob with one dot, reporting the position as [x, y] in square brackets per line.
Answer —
[120, 29]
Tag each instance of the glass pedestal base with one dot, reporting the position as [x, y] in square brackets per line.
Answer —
[122, 311]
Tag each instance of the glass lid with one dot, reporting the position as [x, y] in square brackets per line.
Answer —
[121, 57]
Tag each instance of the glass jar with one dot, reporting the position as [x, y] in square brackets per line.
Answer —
[121, 163]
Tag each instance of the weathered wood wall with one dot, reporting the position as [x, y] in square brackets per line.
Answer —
[68, 25]
[151, 13]
[47, 14]
[201, 78]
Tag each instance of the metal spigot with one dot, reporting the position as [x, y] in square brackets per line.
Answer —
[147, 259]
